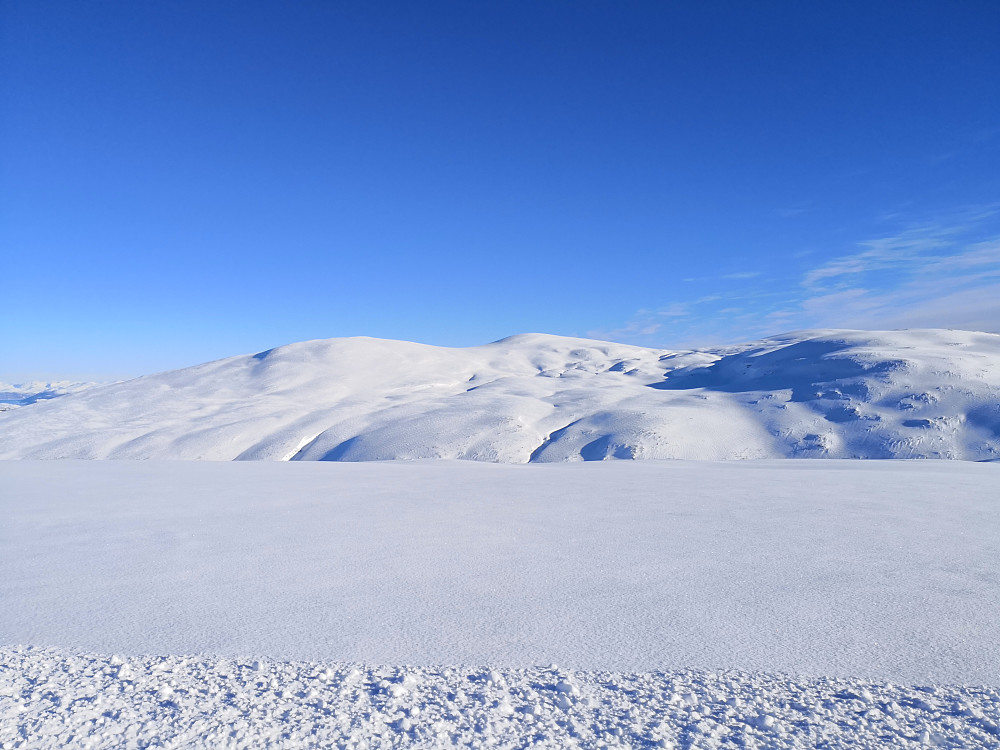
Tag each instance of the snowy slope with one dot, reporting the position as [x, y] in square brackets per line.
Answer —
[539, 398]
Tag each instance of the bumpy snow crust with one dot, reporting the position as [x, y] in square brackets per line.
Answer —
[537, 398]
[56, 699]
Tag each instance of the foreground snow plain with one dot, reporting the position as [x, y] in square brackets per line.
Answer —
[687, 604]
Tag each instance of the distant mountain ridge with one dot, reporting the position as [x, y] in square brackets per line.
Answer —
[542, 398]
[13, 395]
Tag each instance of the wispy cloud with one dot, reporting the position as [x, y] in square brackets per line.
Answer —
[909, 251]
[941, 274]
[735, 276]
[956, 289]
[644, 323]
[937, 274]
[796, 209]
[884, 253]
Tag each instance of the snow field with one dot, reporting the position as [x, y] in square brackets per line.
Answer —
[57, 699]
[675, 596]
[878, 570]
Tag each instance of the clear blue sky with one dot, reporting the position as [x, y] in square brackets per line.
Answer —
[186, 180]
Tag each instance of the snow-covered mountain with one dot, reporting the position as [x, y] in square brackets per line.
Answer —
[13, 395]
[534, 397]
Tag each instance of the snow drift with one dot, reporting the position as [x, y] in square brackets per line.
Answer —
[540, 398]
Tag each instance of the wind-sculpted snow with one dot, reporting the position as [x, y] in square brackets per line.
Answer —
[53, 699]
[538, 398]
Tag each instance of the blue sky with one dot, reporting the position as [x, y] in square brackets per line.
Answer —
[186, 180]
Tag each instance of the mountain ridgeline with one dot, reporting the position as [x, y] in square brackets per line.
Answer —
[540, 398]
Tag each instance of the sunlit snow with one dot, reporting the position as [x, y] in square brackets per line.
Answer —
[424, 603]
[327, 597]
[537, 398]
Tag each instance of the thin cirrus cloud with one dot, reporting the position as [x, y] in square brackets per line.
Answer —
[941, 274]
[911, 250]
[738, 275]
[644, 323]
[939, 290]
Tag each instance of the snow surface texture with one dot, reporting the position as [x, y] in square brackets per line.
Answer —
[881, 570]
[675, 596]
[51, 699]
[538, 398]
